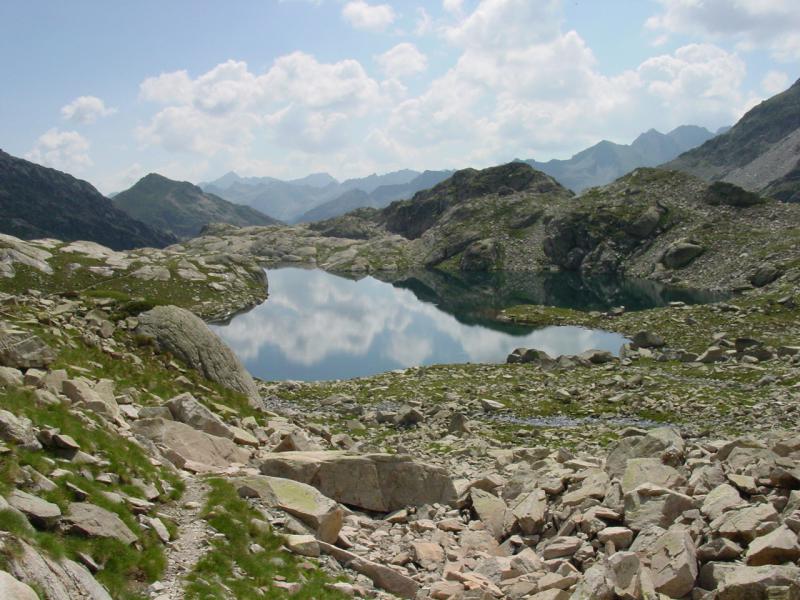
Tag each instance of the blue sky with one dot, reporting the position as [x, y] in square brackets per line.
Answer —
[110, 91]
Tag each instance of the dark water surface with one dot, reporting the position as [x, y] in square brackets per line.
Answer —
[319, 326]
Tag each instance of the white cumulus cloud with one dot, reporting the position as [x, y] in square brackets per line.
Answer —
[453, 6]
[63, 150]
[770, 24]
[299, 103]
[402, 61]
[370, 17]
[774, 82]
[523, 87]
[86, 109]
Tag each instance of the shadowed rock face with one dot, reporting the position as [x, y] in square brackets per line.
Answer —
[180, 332]
[37, 202]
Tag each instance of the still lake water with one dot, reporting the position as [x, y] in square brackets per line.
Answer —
[318, 326]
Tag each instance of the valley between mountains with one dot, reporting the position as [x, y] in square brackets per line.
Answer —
[140, 459]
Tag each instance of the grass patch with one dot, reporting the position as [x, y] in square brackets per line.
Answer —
[213, 576]
[126, 570]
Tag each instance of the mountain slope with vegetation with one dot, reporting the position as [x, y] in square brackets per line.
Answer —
[181, 208]
[761, 153]
[38, 202]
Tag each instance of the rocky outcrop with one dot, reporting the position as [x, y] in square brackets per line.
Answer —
[189, 448]
[376, 482]
[181, 333]
[596, 240]
[483, 255]
[22, 350]
[411, 218]
[57, 580]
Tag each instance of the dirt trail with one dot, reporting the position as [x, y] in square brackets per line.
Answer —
[186, 550]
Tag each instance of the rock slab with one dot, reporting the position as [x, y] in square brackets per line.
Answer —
[186, 336]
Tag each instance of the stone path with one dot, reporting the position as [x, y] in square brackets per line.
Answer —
[186, 550]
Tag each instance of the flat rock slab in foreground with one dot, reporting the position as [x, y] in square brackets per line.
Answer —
[189, 448]
[376, 482]
[185, 335]
[94, 521]
[298, 499]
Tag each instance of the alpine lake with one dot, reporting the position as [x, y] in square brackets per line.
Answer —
[319, 326]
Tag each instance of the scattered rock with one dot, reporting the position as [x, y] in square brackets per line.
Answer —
[94, 521]
[22, 350]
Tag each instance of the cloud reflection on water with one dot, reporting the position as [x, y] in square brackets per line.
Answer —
[319, 326]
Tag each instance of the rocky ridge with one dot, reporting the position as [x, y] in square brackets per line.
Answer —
[652, 224]
[213, 283]
[38, 202]
[761, 153]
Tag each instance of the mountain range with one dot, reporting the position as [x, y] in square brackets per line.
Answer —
[761, 153]
[320, 196]
[39, 202]
[606, 161]
[183, 209]
[379, 197]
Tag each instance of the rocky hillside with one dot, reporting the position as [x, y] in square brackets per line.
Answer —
[213, 284]
[761, 153]
[37, 202]
[606, 161]
[654, 224]
[181, 208]
[140, 460]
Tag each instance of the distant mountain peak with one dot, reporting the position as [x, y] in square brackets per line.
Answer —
[606, 161]
[181, 207]
[319, 180]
